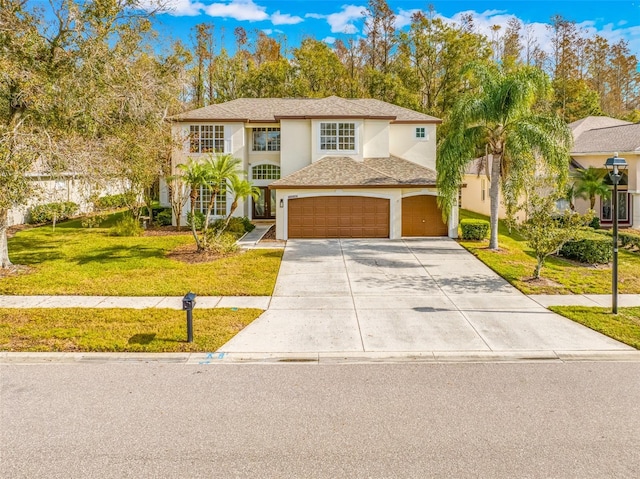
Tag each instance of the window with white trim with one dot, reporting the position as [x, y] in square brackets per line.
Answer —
[219, 205]
[206, 139]
[337, 136]
[265, 172]
[266, 139]
[421, 133]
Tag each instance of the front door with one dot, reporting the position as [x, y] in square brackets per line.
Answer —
[264, 207]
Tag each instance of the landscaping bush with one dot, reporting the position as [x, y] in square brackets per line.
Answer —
[111, 202]
[474, 229]
[198, 221]
[127, 226]
[248, 225]
[591, 248]
[629, 239]
[595, 223]
[237, 226]
[163, 218]
[46, 213]
[223, 244]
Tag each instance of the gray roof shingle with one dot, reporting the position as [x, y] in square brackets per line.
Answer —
[620, 138]
[343, 171]
[273, 109]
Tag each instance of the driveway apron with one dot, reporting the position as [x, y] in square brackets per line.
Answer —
[410, 295]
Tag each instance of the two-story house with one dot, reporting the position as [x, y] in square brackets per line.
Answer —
[326, 168]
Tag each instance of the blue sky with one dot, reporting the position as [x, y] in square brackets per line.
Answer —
[331, 19]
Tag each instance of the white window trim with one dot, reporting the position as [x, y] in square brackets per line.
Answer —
[266, 129]
[356, 137]
[226, 142]
[421, 138]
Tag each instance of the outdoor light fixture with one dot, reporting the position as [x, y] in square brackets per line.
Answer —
[615, 167]
[281, 203]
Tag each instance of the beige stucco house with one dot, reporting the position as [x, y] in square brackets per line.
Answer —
[326, 168]
[596, 138]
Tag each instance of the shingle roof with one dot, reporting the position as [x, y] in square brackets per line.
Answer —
[343, 171]
[620, 138]
[594, 122]
[273, 109]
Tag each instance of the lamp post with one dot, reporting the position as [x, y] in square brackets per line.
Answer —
[615, 166]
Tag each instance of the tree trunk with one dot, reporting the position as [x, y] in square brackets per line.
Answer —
[192, 207]
[494, 196]
[536, 272]
[5, 263]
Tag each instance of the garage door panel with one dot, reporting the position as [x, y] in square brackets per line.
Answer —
[338, 217]
[422, 217]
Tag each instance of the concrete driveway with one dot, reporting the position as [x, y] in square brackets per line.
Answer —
[403, 296]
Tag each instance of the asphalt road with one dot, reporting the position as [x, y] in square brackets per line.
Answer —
[490, 420]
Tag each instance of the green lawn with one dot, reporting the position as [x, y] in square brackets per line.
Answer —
[625, 326]
[78, 261]
[515, 262]
[117, 330]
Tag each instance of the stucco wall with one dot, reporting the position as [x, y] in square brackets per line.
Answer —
[376, 139]
[404, 144]
[471, 198]
[295, 141]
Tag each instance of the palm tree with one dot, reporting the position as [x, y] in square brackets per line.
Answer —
[500, 117]
[590, 183]
[241, 188]
[220, 170]
[194, 175]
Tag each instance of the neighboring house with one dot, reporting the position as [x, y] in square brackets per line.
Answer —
[595, 140]
[326, 168]
[61, 187]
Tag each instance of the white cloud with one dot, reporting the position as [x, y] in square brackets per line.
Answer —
[238, 10]
[278, 18]
[177, 8]
[403, 17]
[329, 40]
[317, 16]
[342, 22]
[267, 31]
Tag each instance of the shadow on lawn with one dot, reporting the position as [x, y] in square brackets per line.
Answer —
[122, 253]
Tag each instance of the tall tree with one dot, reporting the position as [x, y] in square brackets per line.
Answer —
[499, 116]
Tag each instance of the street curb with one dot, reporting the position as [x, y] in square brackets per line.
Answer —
[434, 357]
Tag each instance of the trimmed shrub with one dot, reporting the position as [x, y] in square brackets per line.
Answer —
[198, 220]
[474, 229]
[127, 226]
[224, 244]
[237, 226]
[111, 202]
[164, 217]
[595, 223]
[248, 225]
[45, 213]
[629, 239]
[590, 247]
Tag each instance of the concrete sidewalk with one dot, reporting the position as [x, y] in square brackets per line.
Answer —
[134, 302]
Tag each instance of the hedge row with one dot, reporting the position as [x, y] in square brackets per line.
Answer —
[474, 229]
[47, 212]
[591, 247]
[112, 201]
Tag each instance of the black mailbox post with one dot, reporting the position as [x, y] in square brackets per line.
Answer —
[188, 303]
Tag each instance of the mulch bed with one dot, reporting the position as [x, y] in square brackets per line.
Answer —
[270, 237]
[15, 270]
[166, 231]
[189, 254]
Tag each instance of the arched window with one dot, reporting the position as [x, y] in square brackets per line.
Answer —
[265, 172]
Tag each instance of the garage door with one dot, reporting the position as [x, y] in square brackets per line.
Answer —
[338, 217]
[421, 217]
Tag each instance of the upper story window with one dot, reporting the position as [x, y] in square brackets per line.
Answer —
[338, 136]
[265, 172]
[421, 133]
[206, 139]
[266, 139]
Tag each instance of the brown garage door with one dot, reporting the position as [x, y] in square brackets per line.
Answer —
[421, 217]
[338, 217]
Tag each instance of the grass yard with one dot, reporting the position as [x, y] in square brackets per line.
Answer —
[119, 330]
[73, 260]
[515, 262]
[625, 326]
